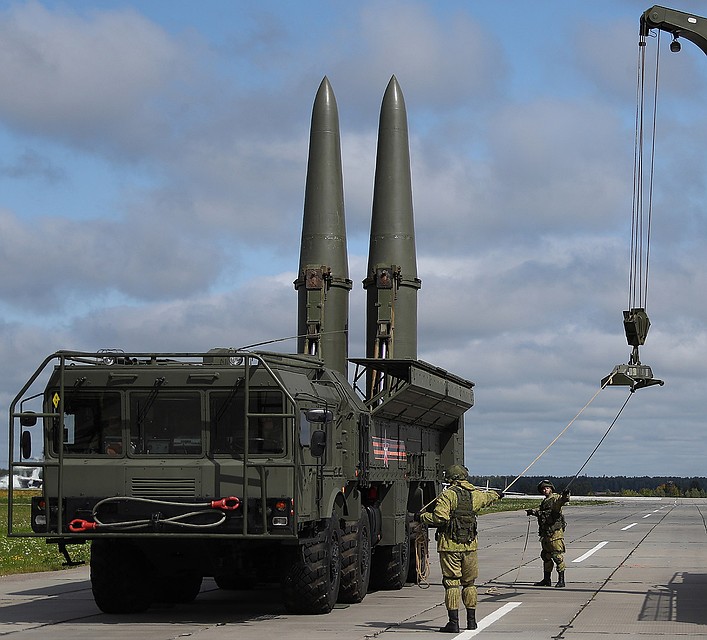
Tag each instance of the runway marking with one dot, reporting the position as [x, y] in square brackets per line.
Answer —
[629, 526]
[647, 515]
[488, 620]
[591, 551]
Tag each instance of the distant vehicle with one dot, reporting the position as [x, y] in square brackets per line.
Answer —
[253, 466]
[28, 477]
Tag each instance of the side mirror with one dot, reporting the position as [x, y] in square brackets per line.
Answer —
[317, 444]
[26, 444]
[28, 420]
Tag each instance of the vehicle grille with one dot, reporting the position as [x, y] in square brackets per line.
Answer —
[163, 487]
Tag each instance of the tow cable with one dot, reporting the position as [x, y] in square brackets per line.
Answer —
[224, 504]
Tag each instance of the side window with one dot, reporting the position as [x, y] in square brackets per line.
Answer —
[227, 411]
[266, 432]
[92, 423]
[165, 424]
[266, 435]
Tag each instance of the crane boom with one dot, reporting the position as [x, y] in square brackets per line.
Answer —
[678, 23]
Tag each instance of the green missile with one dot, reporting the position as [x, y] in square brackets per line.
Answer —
[323, 283]
[392, 283]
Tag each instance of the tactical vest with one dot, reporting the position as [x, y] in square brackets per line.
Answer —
[462, 524]
[549, 521]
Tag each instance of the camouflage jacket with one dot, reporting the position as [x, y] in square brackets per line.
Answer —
[443, 513]
[551, 522]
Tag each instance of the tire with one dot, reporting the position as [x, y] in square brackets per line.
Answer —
[121, 578]
[355, 561]
[311, 585]
[390, 565]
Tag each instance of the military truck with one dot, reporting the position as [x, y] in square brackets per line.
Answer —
[254, 466]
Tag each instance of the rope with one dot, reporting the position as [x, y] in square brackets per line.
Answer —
[422, 557]
[522, 557]
[600, 441]
[559, 435]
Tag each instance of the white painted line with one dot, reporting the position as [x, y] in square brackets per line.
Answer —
[647, 515]
[629, 526]
[591, 551]
[487, 621]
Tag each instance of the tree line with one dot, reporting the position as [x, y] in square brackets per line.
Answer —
[648, 486]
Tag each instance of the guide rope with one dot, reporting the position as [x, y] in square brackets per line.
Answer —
[422, 557]
[559, 435]
[602, 439]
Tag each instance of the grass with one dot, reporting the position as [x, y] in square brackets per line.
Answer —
[511, 504]
[29, 555]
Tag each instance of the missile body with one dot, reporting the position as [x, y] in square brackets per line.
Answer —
[392, 283]
[323, 282]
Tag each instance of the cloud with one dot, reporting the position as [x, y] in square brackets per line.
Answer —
[153, 191]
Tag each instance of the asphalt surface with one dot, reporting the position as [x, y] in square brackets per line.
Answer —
[635, 568]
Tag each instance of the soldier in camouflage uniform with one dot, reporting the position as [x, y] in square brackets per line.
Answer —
[454, 516]
[551, 529]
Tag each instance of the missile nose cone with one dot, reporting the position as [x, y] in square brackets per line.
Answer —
[393, 97]
[325, 113]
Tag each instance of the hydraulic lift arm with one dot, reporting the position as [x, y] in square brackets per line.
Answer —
[679, 24]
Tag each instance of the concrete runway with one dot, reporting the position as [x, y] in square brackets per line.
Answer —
[635, 568]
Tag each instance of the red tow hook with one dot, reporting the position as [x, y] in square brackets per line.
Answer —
[82, 525]
[227, 504]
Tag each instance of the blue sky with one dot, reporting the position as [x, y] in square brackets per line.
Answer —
[152, 182]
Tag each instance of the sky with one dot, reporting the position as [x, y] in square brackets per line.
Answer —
[152, 167]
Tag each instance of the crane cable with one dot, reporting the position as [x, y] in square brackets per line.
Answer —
[641, 214]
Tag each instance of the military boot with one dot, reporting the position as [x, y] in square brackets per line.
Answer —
[453, 625]
[545, 582]
[471, 618]
[561, 579]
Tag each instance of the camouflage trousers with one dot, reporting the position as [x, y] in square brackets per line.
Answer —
[553, 553]
[459, 570]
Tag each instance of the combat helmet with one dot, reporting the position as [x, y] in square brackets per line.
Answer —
[457, 472]
[545, 483]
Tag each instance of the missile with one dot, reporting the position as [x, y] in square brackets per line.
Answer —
[323, 282]
[391, 283]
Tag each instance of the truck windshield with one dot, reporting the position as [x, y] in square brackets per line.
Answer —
[165, 424]
[92, 423]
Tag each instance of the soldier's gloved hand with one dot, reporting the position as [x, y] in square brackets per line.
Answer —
[416, 516]
[566, 493]
[500, 494]
[529, 512]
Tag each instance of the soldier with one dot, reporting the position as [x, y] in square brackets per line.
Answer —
[454, 516]
[551, 529]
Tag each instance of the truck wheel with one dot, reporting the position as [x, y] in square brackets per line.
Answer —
[118, 577]
[311, 585]
[178, 588]
[390, 565]
[355, 560]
